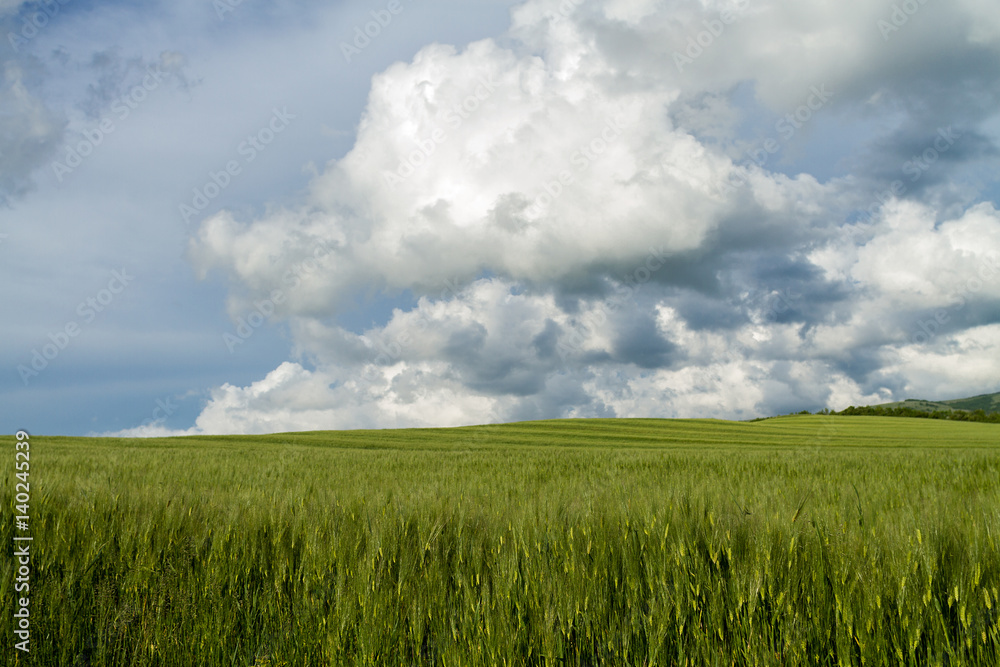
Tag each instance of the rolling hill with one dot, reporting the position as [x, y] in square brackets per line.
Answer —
[986, 402]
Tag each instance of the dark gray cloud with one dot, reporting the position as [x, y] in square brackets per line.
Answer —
[639, 342]
[926, 156]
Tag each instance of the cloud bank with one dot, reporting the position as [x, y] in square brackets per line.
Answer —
[635, 208]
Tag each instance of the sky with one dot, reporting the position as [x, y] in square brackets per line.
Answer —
[234, 216]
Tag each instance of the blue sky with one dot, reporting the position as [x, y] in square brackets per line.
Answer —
[249, 217]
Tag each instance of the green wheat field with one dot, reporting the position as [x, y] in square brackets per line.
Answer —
[804, 540]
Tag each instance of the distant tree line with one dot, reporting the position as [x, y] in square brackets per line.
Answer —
[955, 415]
